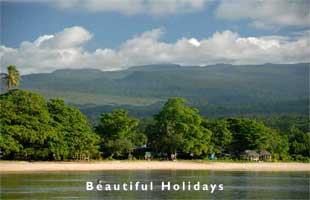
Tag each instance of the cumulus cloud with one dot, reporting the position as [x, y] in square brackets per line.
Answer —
[69, 37]
[65, 50]
[194, 42]
[266, 14]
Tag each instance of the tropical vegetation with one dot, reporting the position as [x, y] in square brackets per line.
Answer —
[11, 79]
[33, 128]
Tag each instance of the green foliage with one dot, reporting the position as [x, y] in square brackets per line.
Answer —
[12, 78]
[33, 129]
[118, 133]
[278, 145]
[25, 125]
[139, 139]
[221, 135]
[295, 130]
[75, 139]
[178, 128]
[116, 124]
[248, 134]
[300, 142]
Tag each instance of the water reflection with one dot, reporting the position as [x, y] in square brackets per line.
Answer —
[237, 185]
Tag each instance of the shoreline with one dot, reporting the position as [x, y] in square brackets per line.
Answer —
[52, 166]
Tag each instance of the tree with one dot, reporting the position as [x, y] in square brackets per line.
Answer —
[294, 132]
[25, 126]
[74, 139]
[279, 145]
[177, 128]
[221, 135]
[248, 135]
[12, 78]
[299, 142]
[119, 133]
[33, 129]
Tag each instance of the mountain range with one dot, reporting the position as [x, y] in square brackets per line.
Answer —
[216, 90]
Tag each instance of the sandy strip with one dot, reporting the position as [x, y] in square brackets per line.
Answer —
[16, 166]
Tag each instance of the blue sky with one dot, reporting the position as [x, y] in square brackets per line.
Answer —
[110, 25]
[26, 21]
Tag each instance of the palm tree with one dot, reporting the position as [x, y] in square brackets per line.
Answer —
[12, 78]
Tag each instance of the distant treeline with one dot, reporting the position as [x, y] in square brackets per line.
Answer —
[297, 107]
[35, 129]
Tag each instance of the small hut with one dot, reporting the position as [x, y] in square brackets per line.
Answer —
[264, 155]
[251, 155]
[147, 155]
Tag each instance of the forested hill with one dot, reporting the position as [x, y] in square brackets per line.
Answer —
[216, 90]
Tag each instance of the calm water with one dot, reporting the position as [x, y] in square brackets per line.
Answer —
[237, 185]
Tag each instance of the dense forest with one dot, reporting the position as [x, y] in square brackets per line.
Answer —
[33, 128]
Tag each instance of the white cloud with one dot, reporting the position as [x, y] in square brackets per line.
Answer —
[267, 14]
[69, 37]
[127, 7]
[131, 7]
[65, 50]
[194, 42]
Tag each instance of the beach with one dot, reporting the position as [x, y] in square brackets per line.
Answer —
[23, 166]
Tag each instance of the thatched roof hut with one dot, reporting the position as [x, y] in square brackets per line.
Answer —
[251, 155]
[264, 155]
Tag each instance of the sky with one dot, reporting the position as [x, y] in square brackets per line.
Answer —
[44, 35]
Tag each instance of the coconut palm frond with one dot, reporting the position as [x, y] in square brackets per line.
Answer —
[12, 78]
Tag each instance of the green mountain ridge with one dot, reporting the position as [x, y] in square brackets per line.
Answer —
[221, 88]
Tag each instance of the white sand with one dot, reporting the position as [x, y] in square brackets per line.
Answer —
[21, 166]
